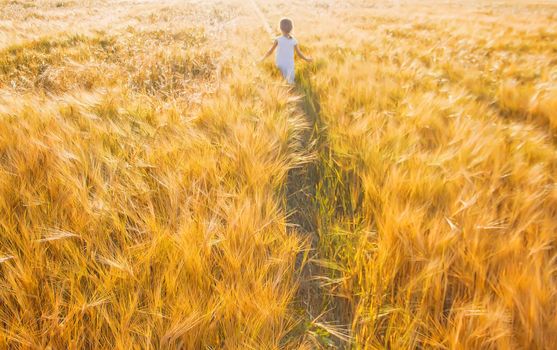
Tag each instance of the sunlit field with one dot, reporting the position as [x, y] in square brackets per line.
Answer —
[161, 189]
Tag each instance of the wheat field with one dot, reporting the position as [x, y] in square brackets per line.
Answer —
[160, 189]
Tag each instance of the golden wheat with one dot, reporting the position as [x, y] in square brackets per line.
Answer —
[158, 190]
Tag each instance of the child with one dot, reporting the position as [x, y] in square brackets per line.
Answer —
[286, 44]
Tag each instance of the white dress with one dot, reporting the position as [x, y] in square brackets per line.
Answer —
[285, 57]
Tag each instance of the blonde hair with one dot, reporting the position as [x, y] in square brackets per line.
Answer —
[286, 25]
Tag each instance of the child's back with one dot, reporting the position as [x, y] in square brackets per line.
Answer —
[286, 45]
[285, 56]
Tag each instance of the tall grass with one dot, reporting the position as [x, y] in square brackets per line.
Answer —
[126, 225]
[438, 192]
[158, 190]
[131, 216]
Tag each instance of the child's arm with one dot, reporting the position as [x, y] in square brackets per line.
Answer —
[270, 51]
[301, 55]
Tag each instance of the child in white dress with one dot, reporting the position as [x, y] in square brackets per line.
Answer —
[286, 45]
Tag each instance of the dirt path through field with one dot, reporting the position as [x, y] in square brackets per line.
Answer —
[316, 307]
